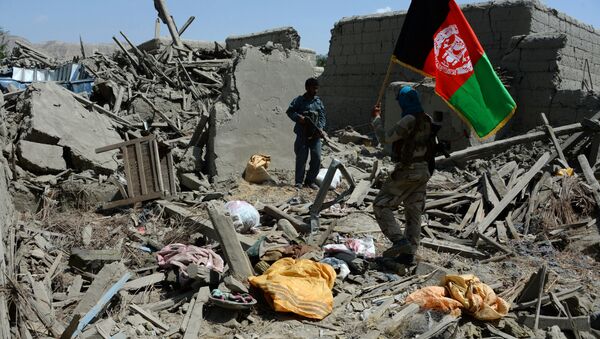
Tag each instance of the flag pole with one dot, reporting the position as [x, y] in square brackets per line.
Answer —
[385, 82]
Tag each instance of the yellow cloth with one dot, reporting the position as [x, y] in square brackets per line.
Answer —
[565, 172]
[256, 168]
[461, 292]
[299, 286]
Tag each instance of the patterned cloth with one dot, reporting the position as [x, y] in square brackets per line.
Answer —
[180, 256]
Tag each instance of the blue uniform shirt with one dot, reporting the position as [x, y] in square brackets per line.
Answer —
[300, 105]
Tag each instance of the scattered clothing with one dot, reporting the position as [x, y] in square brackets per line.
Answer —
[462, 292]
[180, 256]
[300, 286]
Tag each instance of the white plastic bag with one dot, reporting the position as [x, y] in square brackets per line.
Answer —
[245, 216]
[337, 178]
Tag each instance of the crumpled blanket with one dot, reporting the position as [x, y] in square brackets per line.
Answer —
[181, 256]
[299, 286]
[461, 292]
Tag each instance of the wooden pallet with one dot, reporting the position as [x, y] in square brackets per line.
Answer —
[148, 169]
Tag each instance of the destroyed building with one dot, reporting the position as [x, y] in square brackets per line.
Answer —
[549, 61]
[128, 208]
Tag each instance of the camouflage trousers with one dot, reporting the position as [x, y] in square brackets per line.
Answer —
[406, 185]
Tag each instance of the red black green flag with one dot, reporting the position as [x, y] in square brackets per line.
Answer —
[437, 41]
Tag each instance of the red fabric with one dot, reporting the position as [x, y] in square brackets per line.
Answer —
[457, 26]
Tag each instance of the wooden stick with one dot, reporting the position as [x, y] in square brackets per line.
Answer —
[385, 82]
[539, 300]
[552, 136]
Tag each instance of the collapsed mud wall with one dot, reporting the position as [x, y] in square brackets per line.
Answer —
[361, 47]
[265, 82]
[288, 37]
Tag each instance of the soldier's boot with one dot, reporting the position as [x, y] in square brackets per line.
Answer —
[399, 247]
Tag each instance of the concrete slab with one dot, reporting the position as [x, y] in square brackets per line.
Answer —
[56, 118]
[266, 84]
[41, 158]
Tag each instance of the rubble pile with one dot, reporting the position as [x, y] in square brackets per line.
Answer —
[123, 230]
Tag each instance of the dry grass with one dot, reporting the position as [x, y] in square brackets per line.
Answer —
[570, 202]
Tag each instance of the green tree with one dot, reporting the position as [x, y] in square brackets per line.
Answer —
[3, 41]
[321, 60]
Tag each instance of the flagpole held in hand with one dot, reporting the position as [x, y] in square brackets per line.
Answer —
[385, 82]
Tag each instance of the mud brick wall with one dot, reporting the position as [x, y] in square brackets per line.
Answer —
[361, 46]
[286, 36]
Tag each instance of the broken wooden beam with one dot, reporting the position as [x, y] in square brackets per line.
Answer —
[590, 178]
[143, 282]
[193, 327]
[512, 194]
[109, 281]
[235, 256]
[501, 145]
[582, 323]
[553, 138]
[276, 213]
[150, 317]
[451, 247]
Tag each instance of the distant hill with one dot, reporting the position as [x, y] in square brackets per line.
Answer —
[63, 50]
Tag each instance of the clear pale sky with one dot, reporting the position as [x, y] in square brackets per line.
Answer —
[98, 21]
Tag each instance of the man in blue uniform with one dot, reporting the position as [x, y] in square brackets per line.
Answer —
[308, 112]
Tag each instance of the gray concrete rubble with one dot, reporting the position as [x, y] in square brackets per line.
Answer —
[41, 158]
[121, 208]
[54, 117]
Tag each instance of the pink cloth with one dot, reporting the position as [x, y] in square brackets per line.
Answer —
[181, 255]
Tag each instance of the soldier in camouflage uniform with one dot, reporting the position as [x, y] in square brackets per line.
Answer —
[412, 150]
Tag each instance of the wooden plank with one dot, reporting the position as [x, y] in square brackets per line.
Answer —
[501, 232]
[132, 200]
[235, 256]
[149, 316]
[494, 243]
[203, 226]
[469, 215]
[159, 176]
[512, 194]
[193, 327]
[542, 276]
[511, 227]
[186, 317]
[142, 282]
[553, 138]
[497, 183]
[276, 213]
[582, 323]
[124, 144]
[127, 166]
[590, 178]
[500, 145]
[452, 247]
[533, 201]
[100, 109]
[594, 157]
[171, 173]
[52, 270]
[488, 192]
[140, 168]
[161, 114]
[97, 296]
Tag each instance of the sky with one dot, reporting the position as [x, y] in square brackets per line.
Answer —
[97, 21]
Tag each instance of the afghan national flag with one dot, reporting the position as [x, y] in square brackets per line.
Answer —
[437, 41]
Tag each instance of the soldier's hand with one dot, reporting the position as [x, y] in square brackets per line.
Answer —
[376, 111]
[301, 120]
